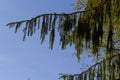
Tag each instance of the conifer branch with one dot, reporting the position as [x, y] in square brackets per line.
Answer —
[81, 28]
[61, 14]
[92, 67]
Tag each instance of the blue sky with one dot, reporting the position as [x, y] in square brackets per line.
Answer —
[22, 60]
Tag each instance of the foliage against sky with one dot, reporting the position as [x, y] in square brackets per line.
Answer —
[106, 9]
[92, 29]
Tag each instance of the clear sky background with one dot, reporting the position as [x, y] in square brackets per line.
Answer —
[22, 60]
